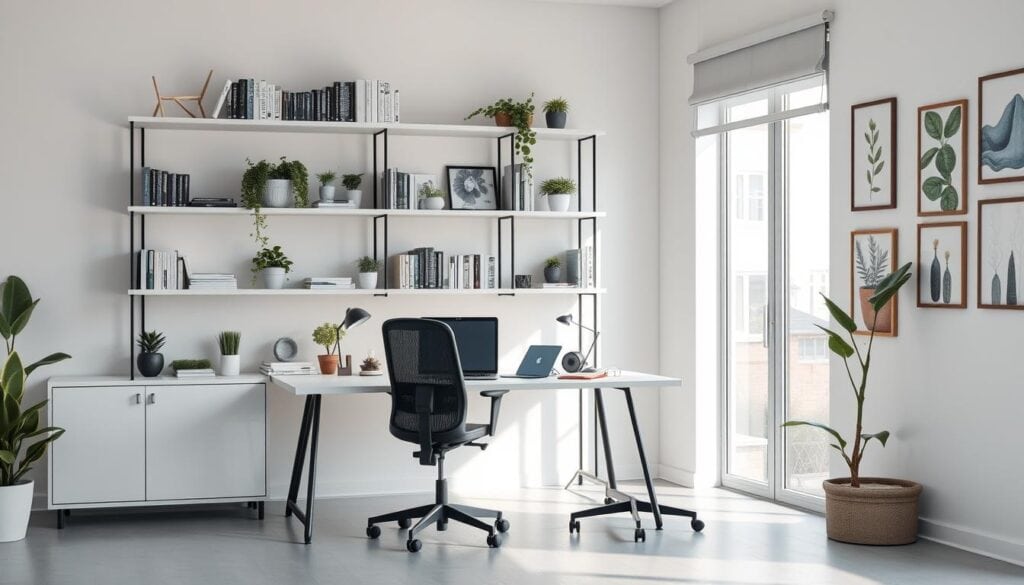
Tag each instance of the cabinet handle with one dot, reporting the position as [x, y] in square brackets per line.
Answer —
[152, 398]
[138, 398]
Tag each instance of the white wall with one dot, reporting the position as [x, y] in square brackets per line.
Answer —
[946, 386]
[75, 71]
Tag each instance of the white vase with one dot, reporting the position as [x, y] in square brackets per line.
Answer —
[433, 203]
[559, 202]
[230, 365]
[326, 192]
[15, 508]
[277, 192]
[273, 277]
[355, 197]
[368, 280]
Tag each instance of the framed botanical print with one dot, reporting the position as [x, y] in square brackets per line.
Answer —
[1001, 127]
[872, 258]
[472, 188]
[941, 156]
[1000, 253]
[873, 155]
[942, 265]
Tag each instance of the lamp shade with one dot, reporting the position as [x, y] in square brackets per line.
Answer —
[564, 319]
[354, 316]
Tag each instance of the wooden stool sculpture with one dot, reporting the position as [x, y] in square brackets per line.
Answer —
[179, 99]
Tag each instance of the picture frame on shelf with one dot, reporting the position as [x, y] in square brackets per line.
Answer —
[941, 158]
[1000, 140]
[1000, 249]
[472, 188]
[942, 265]
[873, 256]
[873, 155]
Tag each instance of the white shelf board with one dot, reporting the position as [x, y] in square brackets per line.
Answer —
[401, 129]
[364, 292]
[314, 211]
[91, 381]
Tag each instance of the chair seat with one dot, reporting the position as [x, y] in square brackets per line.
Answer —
[475, 431]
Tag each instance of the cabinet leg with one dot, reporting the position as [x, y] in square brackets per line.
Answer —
[259, 510]
[60, 519]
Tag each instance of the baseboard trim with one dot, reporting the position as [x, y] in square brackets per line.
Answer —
[973, 541]
[676, 475]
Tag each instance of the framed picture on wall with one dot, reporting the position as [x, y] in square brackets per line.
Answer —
[873, 155]
[1000, 253]
[942, 265]
[1001, 127]
[941, 155]
[472, 188]
[872, 257]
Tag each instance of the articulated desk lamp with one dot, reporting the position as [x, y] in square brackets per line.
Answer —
[575, 361]
[353, 317]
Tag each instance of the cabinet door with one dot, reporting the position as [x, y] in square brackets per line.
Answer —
[205, 441]
[102, 455]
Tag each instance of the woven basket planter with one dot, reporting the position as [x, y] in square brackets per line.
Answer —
[880, 512]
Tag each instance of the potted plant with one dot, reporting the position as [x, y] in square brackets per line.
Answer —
[558, 193]
[351, 182]
[326, 335]
[270, 184]
[150, 361]
[368, 268]
[273, 265]
[19, 425]
[326, 188]
[432, 197]
[552, 269]
[865, 510]
[230, 361]
[871, 270]
[507, 112]
[370, 366]
[555, 111]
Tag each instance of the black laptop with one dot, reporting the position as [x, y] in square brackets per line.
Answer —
[477, 340]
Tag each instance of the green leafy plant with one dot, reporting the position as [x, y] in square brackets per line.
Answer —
[875, 162]
[352, 181]
[873, 269]
[191, 364]
[367, 264]
[429, 190]
[295, 172]
[556, 105]
[18, 425]
[552, 262]
[229, 342]
[150, 341]
[271, 258]
[943, 156]
[327, 335]
[887, 288]
[253, 180]
[558, 186]
[520, 114]
[326, 177]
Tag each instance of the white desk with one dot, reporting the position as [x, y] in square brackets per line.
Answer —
[315, 387]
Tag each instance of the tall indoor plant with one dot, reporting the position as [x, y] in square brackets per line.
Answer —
[865, 510]
[19, 426]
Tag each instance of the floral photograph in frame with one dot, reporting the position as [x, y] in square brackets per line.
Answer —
[873, 155]
[472, 188]
[1001, 127]
[873, 255]
[941, 154]
[942, 265]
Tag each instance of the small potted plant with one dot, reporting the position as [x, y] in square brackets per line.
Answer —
[432, 196]
[150, 361]
[507, 112]
[326, 335]
[552, 270]
[368, 268]
[326, 188]
[230, 361]
[271, 184]
[558, 193]
[273, 265]
[351, 182]
[370, 366]
[555, 111]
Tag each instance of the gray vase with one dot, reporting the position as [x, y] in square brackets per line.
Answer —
[555, 119]
[552, 274]
[150, 364]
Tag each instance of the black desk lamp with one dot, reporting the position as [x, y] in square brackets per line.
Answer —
[575, 361]
[353, 317]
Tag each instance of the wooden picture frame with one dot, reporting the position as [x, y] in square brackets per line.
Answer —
[941, 170]
[938, 288]
[872, 169]
[879, 254]
[481, 195]
[998, 160]
[1000, 248]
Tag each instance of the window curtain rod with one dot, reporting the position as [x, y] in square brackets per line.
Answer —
[781, 30]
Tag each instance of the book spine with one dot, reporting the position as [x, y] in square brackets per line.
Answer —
[398, 107]
[172, 193]
[249, 105]
[492, 272]
[144, 195]
[476, 271]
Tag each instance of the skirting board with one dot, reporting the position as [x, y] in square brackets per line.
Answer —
[974, 541]
[676, 475]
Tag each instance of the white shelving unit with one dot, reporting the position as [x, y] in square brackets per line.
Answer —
[298, 292]
[366, 213]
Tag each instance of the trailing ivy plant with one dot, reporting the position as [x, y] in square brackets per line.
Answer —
[255, 179]
[295, 172]
[875, 162]
[519, 113]
[944, 157]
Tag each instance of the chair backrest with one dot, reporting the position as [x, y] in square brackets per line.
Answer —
[422, 352]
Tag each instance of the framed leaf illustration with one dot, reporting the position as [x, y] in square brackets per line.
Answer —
[1000, 253]
[941, 152]
[942, 265]
[873, 256]
[1001, 127]
[873, 155]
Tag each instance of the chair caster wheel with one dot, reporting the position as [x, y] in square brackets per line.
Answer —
[404, 523]
[574, 526]
[639, 535]
[494, 541]
[608, 501]
[413, 545]
[501, 525]
[697, 525]
[373, 531]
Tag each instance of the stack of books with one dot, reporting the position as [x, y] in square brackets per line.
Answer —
[197, 373]
[579, 267]
[428, 268]
[401, 190]
[363, 100]
[212, 281]
[335, 204]
[556, 285]
[164, 189]
[160, 270]
[516, 189]
[288, 369]
[328, 282]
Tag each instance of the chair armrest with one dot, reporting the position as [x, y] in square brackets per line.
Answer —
[495, 396]
[424, 408]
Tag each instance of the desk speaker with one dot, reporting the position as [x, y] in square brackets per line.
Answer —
[572, 362]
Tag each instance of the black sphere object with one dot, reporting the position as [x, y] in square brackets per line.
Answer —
[150, 364]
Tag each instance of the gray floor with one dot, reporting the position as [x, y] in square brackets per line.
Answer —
[746, 541]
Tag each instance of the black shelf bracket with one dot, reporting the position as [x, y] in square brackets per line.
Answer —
[501, 167]
[376, 180]
[376, 255]
[512, 250]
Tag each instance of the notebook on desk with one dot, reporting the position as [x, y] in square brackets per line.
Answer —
[585, 375]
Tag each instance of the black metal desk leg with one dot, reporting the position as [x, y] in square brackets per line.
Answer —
[300, 456]
[311, 487]
[643, 459]
[602, 422]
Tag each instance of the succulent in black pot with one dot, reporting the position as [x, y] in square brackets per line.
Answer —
[552, 270]
[555, 112]
[149, 361]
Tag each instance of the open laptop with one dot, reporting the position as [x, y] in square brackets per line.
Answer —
[537, 363]
[477, 341]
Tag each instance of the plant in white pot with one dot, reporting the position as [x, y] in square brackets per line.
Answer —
[22, 440]
[558, 193]
[273, 265]
[230, 360]
[432, 196]
[865, 510]
[270, 185]
[326, 188]
[368, 268]
[351, 182]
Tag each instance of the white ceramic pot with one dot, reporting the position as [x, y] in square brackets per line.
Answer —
[368, 280]
[273, 277]
[277, 193]
[326, 192]
[355, 197]
[433, 203]
[15, 507]
[230, 365]
[559, 202]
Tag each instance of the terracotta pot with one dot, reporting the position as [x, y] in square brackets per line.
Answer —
[881, 512]
[884, 323]
[328, 364]
[505, 120]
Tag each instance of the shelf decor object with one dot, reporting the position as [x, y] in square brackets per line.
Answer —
[873, 155]
[942, 258]
[873, 254]
[180, 99]
[941, 154]
[1000, 250]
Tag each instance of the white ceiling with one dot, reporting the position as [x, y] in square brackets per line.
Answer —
[635, 3]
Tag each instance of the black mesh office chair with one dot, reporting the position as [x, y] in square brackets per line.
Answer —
[428, 407]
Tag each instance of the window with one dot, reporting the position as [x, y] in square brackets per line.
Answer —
[812, 349]
[748, 189]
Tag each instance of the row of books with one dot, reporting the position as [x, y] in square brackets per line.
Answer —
[211, 281]
[328, 282]
[288, 369]
[159, 270]
[402, 190]
[580, 268]
[516, 189]
[164, 189]
[363, 100]
[428, 268]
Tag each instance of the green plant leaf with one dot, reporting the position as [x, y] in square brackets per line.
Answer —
[868, 174]
[882, 437]
[7, 457]
[876, 189]
[950, 199]
[926, 158]
[952, 122]
[945, 161]
[12, 379]
[845, 321]
[5, 327]
[19, 324]
[932, 187]
[871, 124]
[933, 125]
[837, 344]
[50, 359]
[826, 428]
[15, 299]
[879, 167]
[882, 296]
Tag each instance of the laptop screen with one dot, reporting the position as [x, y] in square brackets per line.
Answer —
[477, 339]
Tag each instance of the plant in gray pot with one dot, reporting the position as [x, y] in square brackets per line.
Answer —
[351, 182]
[272, 264]
[432, 197]
[555, 111]
[558, 193]
[150, 361]
[326, 188]
[865, 510]
[552, 270]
